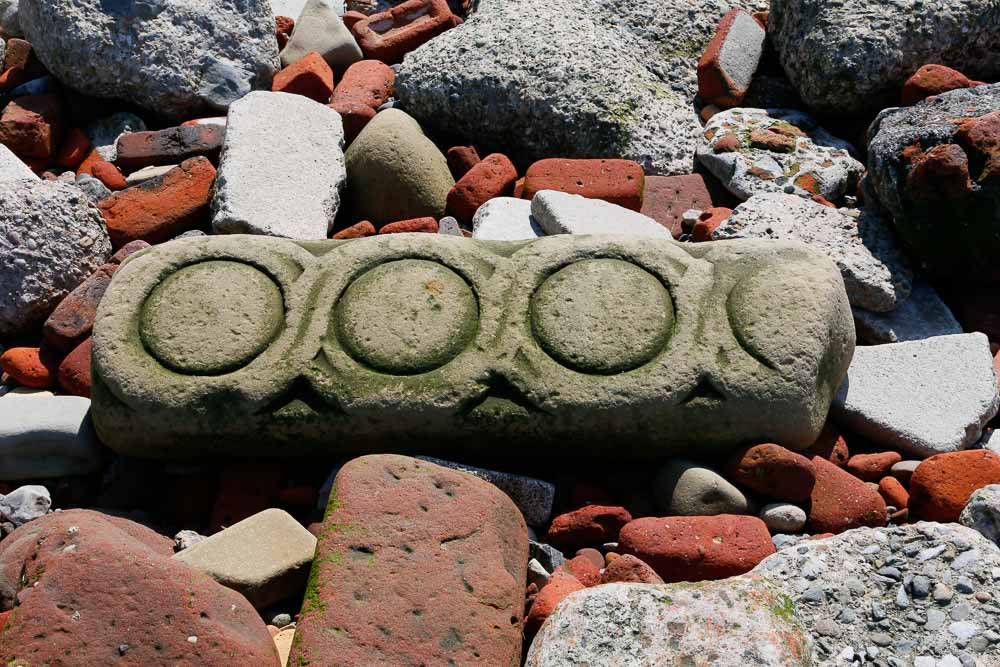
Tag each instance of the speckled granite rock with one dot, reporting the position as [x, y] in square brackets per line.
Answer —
[538, 79]
[895, 595]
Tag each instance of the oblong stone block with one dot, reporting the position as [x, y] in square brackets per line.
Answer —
[253, 346]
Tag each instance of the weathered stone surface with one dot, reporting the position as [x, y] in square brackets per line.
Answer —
[279, 178]
[176, 58]
[382, 341]
[853, 56]
[587, 526]
[876, 274]
[686, 488]
[922, 397]
[505, 219]
[25, 504]
[532, 496]
[46, 436]
[394, 172]
[319, 28]
[726, 69]
[754, 151]
[562, 213]
[981, 513]
[732, 623]
[266, 557]
[51, 239]
[936, 167]
[78, 605]
[518, 78]
[840, 501]
[942, 485]
[922, 315]
[12, 168]
[894, 596]
[416, 564]
[138, 150]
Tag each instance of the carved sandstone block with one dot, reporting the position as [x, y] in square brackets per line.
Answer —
[255, 346]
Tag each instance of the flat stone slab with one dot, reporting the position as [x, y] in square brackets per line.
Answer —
[876, 274]
[249, 345]
[277, 177]
[534, 497]
[416, 564]
[922, 315]
[505, 219]
[46, 436]
[12, 168]
[923, 397]
[859, 594]
[266, 557]
[729, 623]
[562, 213]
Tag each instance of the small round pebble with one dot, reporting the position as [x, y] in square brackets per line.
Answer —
[783, 517]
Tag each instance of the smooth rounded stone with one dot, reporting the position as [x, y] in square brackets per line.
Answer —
[24, 504]
[534, 497]
[731, 623]
[922, 397]
[147, 174]
[922, 315]
[72, 563]
[12, 168]
[755, 151]
[842, 598]
[853, 56]
[562, 213]
[394, 172]
[505, 219]
[783, 517]
[518, 78]
[266, 557]
[177, 58]
[772, 471]
[876, 274]
[587, 525]
[43, 436]
[338, 365]
[942, 485]
[981, 513]
[686, 488]
[934, 167]
[319, 28]
[416, 564]
[51, 239]
[103, 132]
[275, 177]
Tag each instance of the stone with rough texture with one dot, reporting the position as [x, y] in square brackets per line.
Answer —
[416, 564]
[319, 28]
[51, 239]
[922, 397]
[981, 513]
[773, 471]
[876, 274]
[12, 168]
[867, 590]
[536, 80]
[425, 342]
[853, 56]
[685, 488]
[932, 80]
[726, 69]
[755, 151]
[173, 145]
[942, 485]
[46, 436]
[73, 319]
[176, 58]
[666, 198]
[922, 315]
[587, 526]
[78, 604]
[266, 557]
[629, 569]
[279, 178]
[561, 213]
[694, 548]
[25, 504]
[935, 167]
[505, 219]
[840, 501]
[740, 622]
[394, 172]
[534, 497]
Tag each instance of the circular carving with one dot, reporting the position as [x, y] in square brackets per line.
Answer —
[212, 317]
[602, 316]
[408, 316]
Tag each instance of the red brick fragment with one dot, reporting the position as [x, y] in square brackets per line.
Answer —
[872, 467]
[129, 248]
[365, 86]
[74, 149]
[841, 501]
[309, 76]
[587, 526]
[773, 471]
[629, 569]
[708, 222]
[893, 493]
[493, 176]
[941, 485]
[461, 159]
[666, 198]
[110, 175]
[33, 126]
[30, 366]
[163, 207]
[356, 231]
[428, 225]
[561, 584]
[72, 320]
[932, 80]
[173, 145]
[74, 371]
[830, 445]
[390, 35]
[283, 27]
[726, 69]
[617, 181]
